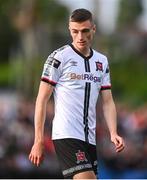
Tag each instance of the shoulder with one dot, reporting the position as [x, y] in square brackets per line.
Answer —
[62, 50]
[101, 57]
[61, 53]
[58, 54]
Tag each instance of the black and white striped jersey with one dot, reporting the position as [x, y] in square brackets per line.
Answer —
[78, 81]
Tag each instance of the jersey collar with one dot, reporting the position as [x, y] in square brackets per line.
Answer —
[79, 53]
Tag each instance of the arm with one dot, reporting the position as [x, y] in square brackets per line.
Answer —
[45, 91]
[109, 111]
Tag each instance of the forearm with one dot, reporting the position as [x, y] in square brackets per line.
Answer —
[40, 115]
[109, 110]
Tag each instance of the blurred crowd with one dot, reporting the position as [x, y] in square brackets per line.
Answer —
[132, 126]
[17, 133]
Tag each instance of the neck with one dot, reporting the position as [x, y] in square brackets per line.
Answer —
[85, 51]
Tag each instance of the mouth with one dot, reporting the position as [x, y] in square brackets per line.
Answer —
[82, 43]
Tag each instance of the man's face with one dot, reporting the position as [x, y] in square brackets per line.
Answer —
[82, 34]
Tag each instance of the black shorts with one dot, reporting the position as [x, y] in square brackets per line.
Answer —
[75, 156]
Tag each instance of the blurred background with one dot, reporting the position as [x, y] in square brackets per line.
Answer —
[29, 31]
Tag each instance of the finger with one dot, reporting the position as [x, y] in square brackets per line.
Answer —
[34, 160]
[30, 157]
[120, 148]
[120, 142]
[38, 161]
[41, 159]
[114, 141]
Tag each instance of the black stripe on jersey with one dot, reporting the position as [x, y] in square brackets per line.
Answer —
[86, 107]
[87, 66]
[86, 101]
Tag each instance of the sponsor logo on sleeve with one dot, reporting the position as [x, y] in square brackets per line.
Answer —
[54, 62]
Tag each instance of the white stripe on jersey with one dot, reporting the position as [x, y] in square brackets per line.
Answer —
[78, 81]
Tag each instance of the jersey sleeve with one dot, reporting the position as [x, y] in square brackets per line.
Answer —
[52, 69]
[106, 81]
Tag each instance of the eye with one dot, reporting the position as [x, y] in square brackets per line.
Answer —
[74, 31]
[86, 30]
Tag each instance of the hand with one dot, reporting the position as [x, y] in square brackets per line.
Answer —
[36, 155]
[118, 142]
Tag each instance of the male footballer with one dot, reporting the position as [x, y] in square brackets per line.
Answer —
[76, 74]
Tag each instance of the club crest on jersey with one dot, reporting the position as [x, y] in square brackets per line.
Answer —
[81, 157]
[99, 66]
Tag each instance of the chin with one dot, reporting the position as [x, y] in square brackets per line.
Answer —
[82, 46]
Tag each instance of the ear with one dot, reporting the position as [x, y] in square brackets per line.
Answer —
[69, 30]
[94, 28]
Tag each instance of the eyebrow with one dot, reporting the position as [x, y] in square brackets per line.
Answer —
[83, 30]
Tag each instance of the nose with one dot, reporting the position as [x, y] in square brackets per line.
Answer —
[80, 36]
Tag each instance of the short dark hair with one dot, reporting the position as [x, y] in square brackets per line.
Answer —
[81, 15]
